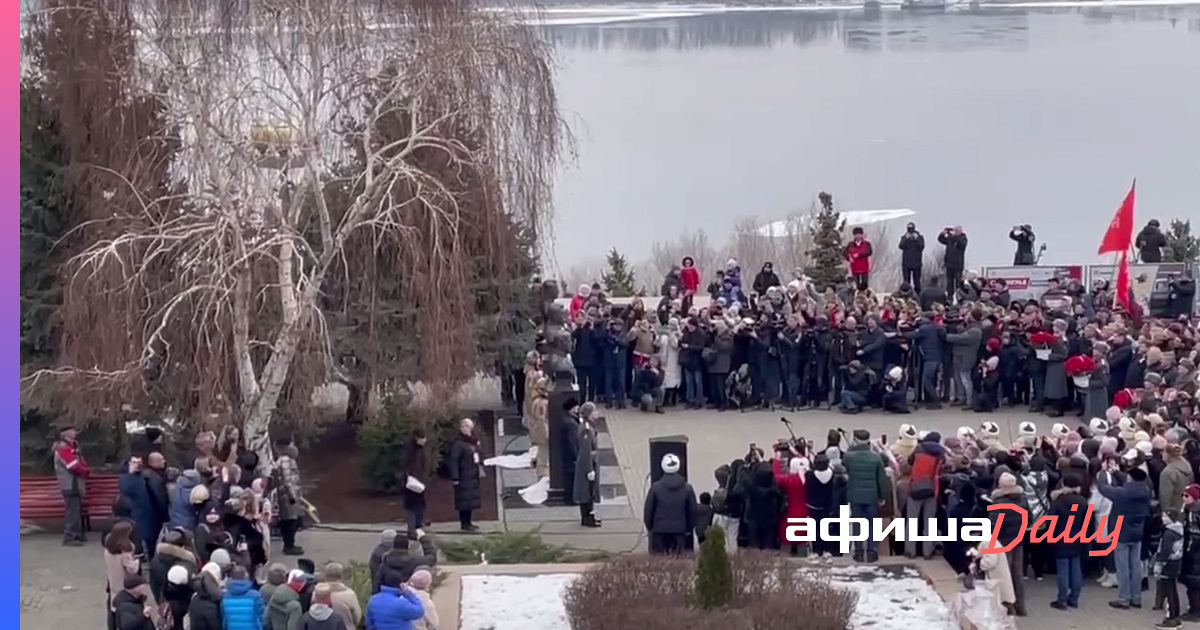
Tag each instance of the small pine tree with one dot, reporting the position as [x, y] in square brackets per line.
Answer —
[1182, 246]
[618, 280]
[828, 265]
[714, 574]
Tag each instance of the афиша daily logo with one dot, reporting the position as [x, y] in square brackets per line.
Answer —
[851, 530]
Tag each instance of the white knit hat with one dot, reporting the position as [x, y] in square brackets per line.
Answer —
[178, 575]
[670, 463]
[1027, 429]
[220, 557]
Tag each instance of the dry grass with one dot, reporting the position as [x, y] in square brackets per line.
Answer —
[654, 593]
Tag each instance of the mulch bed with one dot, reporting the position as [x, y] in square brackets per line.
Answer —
[333, 483]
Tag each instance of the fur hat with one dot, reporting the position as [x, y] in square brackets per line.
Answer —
[1132, 455]
[1154, 419]
[1145, 448]
[1059, 430]
[1098, 425]
[1128, 428]
[670, 463]
[908, 431]
[965, 433]
[1027, 429]
[1141, 436]
[199, 495]
[989, 428]
[1007, 481]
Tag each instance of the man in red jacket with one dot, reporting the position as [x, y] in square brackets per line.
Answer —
[71, 470]
[858, 253]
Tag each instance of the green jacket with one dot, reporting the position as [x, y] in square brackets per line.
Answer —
[866, 476]
[283, 612]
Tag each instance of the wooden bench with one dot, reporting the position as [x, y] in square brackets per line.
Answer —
[41, 500]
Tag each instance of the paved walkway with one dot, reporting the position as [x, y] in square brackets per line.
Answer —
[716, 438]
[64, 587]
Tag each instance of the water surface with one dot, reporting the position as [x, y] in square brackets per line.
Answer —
[982, 118]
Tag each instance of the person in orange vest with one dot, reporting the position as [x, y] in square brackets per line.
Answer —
[924, 488]
[72, 472]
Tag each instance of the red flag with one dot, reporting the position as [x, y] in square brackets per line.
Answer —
[1122, 289]
[1119, 236]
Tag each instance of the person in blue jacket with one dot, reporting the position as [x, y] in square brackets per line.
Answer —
[183, 514]
[394, 607]
[242, 607]
[1130, 495]
[136, 494]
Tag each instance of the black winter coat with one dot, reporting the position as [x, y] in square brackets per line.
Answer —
[1149, 243]
[931, 295]
[1010, 528]
[912, 244]
[1060, 508]
[398, 565]
[204, 611]
[955, 257]
[765, 503]
[670, 506]
[130, 612]
[463, 466]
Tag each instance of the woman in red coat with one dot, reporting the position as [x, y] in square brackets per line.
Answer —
[858, 253]
[689, 276]
[792, 486]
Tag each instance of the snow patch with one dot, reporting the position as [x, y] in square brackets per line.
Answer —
[889, 598]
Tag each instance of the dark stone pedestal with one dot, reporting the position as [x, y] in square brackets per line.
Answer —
[559, 396]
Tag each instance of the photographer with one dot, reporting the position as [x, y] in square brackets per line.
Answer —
[1183, 295]
[955, 256]
[1023, 235]
[912, 244]
[1149, 243]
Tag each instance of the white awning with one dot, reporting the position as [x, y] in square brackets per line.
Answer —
[852, 218]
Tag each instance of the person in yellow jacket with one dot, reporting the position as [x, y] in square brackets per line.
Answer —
[538, 420]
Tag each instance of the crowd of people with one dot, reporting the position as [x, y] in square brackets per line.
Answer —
[1136, 465]
[790, 345]
[192, 547]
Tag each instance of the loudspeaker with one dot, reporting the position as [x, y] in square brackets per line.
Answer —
[672, 444]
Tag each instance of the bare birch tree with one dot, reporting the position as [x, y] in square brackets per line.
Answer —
[303, 128]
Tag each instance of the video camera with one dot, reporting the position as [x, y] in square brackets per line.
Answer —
[788, 447]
